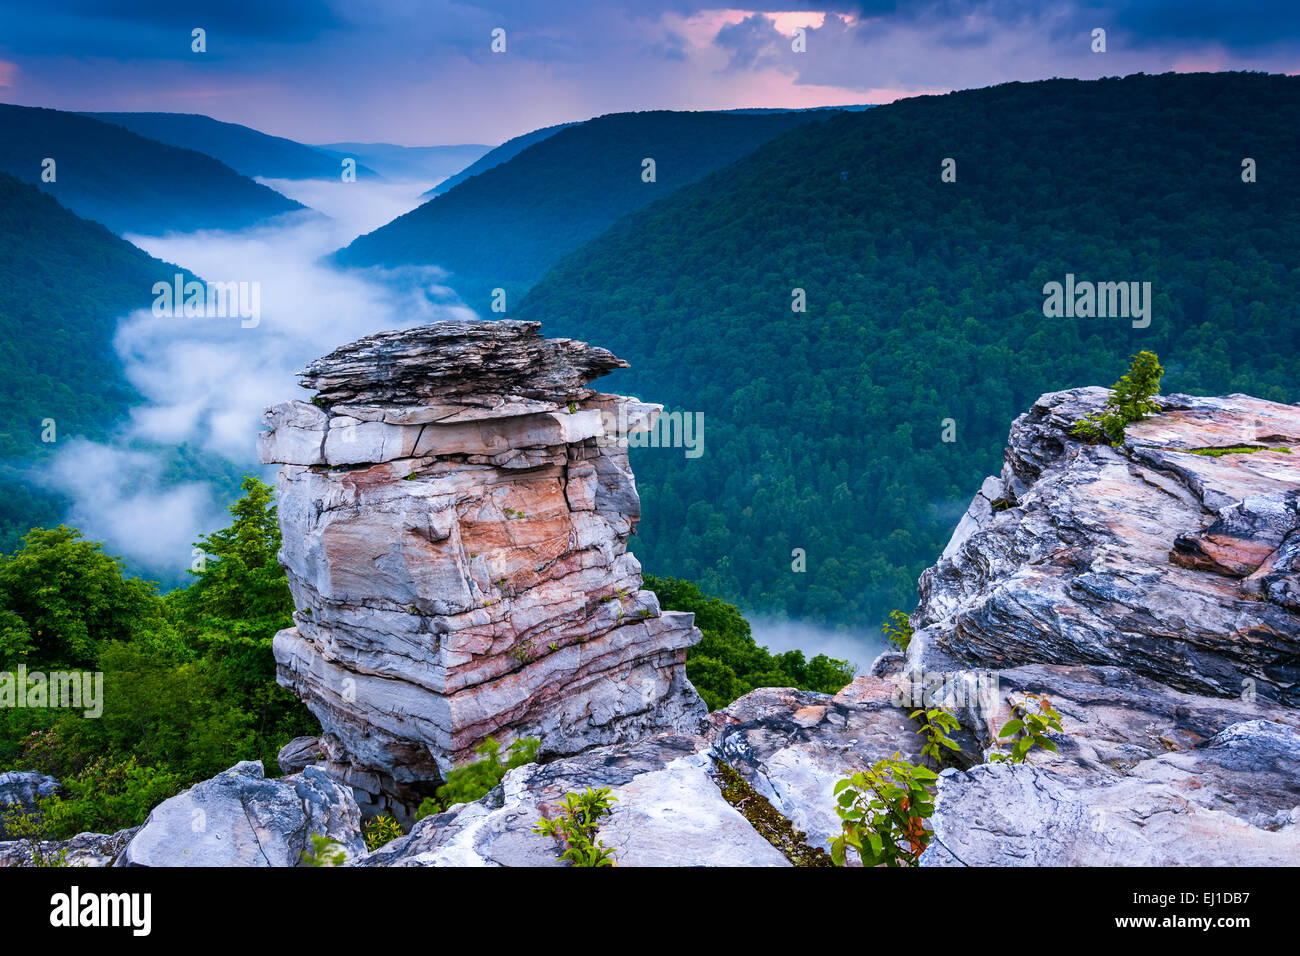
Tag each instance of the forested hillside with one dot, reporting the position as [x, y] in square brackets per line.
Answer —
[824, 429]
[130, 184]
[506, 227]
[496, 156]
[66, 282]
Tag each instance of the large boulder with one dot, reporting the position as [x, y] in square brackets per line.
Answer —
[240, 818]
[1155, 556]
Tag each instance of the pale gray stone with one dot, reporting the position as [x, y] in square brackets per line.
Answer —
[240, 818]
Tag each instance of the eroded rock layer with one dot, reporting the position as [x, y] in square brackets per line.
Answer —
[455, 506]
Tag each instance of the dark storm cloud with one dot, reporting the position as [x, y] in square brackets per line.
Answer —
[753, 43]
[1232, 23]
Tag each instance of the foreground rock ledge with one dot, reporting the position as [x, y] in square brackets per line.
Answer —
[1155, 556]
[455, 506]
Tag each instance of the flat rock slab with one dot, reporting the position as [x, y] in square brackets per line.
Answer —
[1235, 802]
[449, 362]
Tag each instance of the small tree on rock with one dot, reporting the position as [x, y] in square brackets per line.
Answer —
[1130, 401]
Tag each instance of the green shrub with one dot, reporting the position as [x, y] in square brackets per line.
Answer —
[938, 724]
[1130, 401]
[577, 825]
[380, 831]
[883, 812]
[325, 851]
[110, 795]
[474, 780]
[29, 827]
[898, 629]
[1033, 718]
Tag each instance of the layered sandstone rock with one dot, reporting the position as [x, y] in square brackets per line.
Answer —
[1177, 564]
[1150, 592]
[455, 506]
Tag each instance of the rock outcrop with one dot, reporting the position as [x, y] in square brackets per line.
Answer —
[240, 818]
[1176, 565]
[84, 849]
[455, 506]
[1148, 590]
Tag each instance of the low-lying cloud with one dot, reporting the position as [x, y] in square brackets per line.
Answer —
[859, 648]
[205, 381]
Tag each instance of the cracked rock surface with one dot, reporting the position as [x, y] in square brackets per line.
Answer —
[240, 818]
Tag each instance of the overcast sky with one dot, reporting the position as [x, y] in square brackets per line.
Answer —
[422, 73]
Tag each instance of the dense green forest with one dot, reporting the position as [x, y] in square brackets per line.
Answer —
[824, 429]
[66, 282]
[727, 663]
[129, 183]
[189, 679]
[506, 226]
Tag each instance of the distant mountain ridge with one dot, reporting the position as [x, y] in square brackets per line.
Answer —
[495, 157]
[504, 227]
[245, 150]
[126, 181]
[411, 163]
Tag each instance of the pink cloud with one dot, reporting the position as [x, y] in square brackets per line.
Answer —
[8, 73]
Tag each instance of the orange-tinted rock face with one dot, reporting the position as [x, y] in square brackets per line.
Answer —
[458, 558]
